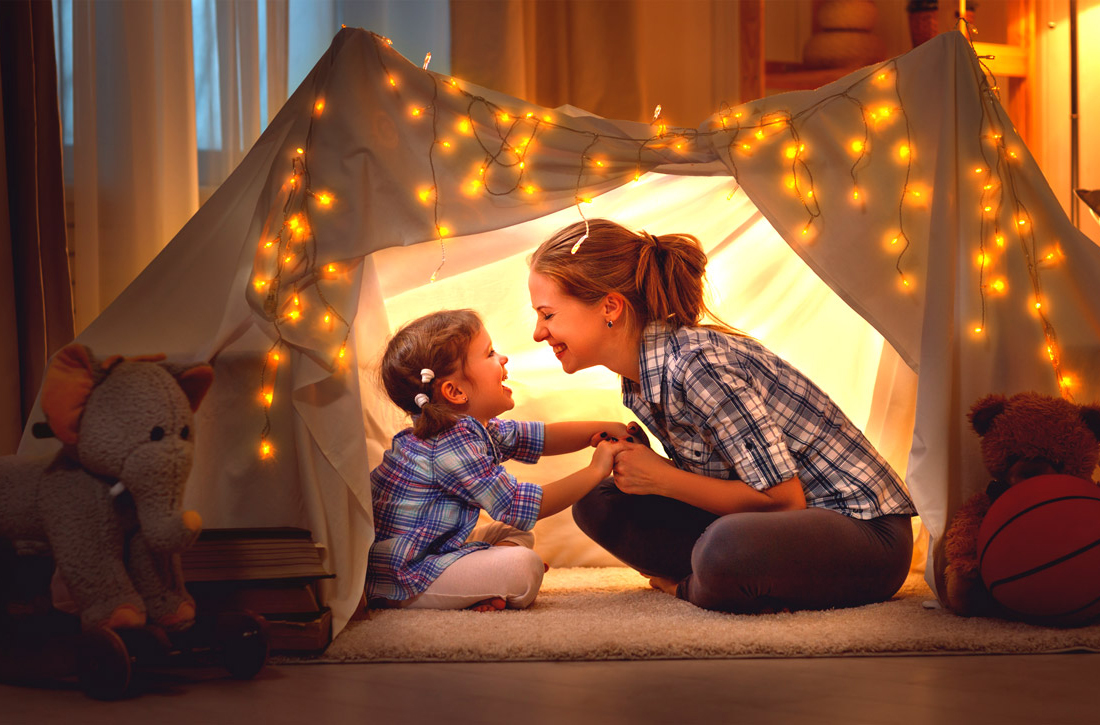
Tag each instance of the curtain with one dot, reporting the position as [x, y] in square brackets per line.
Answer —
[36, 314]
[134, 150]
[614, 58]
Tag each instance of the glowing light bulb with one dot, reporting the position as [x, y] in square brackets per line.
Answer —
[427, 60]
[903, 151]
[393, 81]
[529, 189]
[979, 170]
[328, 318]
[978, 330]
[343, 351]
[789, 181]
[275, 356]
[988, 209]
[998, 285]
[265, 450]
[1067, 381]
[884, 112]
[268, 397]
[294, 314]
[300, 150]
[332, 269]
[983, 259]
[319, 106]
[1000, 240]
[416, 111]
[444, 231]
[857, 146]
[1021, 222]
[790, 152]
[464, 126]
[445, 144]
[424, 194]
[855, 194]
[738, 115]
[324, 198]
[260, 284]
[746, 147]
[505, 117]
[759, 133]
[880, 77]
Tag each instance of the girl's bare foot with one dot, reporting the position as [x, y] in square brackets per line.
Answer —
[668, 586]
[493, 604]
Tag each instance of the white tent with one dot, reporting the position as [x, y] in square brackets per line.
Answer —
[864, 230]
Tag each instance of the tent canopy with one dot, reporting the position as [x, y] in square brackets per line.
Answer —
[903, 187]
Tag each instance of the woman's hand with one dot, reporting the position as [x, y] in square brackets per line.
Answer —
[631, 433]
[638, 470]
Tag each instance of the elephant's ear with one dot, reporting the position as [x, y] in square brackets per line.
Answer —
[195, 381]
[68, 382]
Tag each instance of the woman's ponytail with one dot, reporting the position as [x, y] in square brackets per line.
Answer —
[661, 277]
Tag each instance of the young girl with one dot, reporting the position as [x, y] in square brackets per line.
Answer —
[441, 473]
[770, 497]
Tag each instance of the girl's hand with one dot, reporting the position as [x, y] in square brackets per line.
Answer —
[603, 458]
[632, 433]
[638, 470]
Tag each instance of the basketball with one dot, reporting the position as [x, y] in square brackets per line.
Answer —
[1039, 549]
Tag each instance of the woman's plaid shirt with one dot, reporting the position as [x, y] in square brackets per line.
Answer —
[724, 406]
[427, 495]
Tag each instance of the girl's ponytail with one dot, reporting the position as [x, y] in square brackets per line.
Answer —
[435, 344]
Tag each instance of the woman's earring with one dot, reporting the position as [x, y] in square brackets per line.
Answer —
[610, 323]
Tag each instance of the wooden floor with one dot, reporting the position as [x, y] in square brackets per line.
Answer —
[970, 690]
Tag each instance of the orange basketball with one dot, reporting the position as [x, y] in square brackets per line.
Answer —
[1039, 549]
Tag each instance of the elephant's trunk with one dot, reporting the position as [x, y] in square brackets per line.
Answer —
[156, 482]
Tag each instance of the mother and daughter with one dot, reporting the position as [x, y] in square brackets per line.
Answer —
[770, 497]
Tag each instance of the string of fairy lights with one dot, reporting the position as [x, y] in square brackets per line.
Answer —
[287, 269]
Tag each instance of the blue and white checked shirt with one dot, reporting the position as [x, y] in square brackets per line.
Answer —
[724, 406]
[427, 495]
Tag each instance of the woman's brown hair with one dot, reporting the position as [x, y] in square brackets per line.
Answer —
[438, 341]
[661, 277]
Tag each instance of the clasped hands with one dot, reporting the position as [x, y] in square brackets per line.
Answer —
[636, 468]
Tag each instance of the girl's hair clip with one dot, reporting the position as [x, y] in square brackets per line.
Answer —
[427, 375]
[421, 400]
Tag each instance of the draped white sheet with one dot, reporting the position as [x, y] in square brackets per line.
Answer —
[197, 301]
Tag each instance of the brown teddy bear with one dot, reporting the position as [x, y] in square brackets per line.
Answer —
[1023, 436]
[109, 503]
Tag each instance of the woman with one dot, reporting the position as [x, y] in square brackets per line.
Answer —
[771, 498]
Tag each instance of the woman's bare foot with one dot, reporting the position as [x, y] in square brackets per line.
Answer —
[493, 604]
[668, 586]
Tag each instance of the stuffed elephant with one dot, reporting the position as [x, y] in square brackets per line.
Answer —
[109, 503]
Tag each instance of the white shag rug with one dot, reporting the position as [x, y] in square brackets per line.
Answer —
[613, 614]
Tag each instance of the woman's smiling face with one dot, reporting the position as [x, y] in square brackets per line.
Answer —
[575, 331]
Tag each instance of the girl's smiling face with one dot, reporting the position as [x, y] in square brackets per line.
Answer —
[485, 373]
[577, 332]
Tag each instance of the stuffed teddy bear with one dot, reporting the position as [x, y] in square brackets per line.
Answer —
[109, 503]
[1023, 436]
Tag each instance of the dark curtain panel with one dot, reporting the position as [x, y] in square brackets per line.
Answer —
[36, 311]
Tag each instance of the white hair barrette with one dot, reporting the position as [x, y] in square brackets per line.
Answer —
[421, 400]
[427, 375]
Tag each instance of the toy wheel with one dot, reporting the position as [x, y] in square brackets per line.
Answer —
[103, 665]
[244, 644]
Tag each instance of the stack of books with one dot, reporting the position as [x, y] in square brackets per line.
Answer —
[271, 572]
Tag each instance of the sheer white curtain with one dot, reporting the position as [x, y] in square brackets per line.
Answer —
[161, 100]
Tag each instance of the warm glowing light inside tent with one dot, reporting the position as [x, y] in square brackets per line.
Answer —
[857, 146]
[443, 230]
[464, 126]
[415, 112]
[998, 285]
[260, 284]
[319, 107]
[983, 259]
[266, 450]
[904, 151]
[424, 195]
[324, 198]
[300, 150]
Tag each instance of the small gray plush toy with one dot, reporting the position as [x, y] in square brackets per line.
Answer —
[109, 503]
